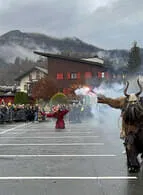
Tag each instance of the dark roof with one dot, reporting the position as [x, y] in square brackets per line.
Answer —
[5, 89]
[9, 94]
[30, 70]
[69, 58]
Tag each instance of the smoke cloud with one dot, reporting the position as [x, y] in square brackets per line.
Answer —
[104, 117]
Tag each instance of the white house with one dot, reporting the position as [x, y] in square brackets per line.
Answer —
[27, 79]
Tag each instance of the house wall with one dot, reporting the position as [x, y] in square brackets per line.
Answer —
[25, 80]
[7, 99]
[65, 66]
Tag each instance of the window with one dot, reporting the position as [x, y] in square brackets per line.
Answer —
[101, 75]
[60, 90]
[66, 91]
[37, 75]
[25, 87]
[88, 75]
[30, 87]
[73, 75]
[30, 77]
[60, 76]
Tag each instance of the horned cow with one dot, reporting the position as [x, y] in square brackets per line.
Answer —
[131, 106]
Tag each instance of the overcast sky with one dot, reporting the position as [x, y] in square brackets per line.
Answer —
[104, 23]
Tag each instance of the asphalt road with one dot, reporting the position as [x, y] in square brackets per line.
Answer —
[83, 159]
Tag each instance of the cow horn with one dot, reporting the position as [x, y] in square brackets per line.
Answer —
[125, 90]
[137, 94]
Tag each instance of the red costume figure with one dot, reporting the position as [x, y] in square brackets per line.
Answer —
[59, 115]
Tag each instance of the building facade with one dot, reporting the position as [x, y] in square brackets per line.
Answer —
[70, 71]
[27, 80]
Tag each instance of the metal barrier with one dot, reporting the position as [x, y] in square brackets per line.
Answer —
[16, 115]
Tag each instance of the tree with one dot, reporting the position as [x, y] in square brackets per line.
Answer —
[44, 89]
[59, 98]
[134, 61]
[21, 98]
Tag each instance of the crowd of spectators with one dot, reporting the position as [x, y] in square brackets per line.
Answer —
[19, 113]
[24, 113]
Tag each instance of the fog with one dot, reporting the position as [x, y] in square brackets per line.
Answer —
[10, 52]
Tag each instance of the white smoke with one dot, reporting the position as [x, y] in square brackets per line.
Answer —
[112, 90]
[82, 91]
[104, 116]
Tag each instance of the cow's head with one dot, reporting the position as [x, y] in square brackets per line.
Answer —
[133, 97]
[133, 108]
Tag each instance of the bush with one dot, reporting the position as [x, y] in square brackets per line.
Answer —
[21, 98]
[59, 98]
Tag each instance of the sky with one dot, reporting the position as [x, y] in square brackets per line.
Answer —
[108, 24]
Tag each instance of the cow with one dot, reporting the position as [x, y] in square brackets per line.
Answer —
[131, 106]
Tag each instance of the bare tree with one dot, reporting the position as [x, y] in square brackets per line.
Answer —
[44, 89]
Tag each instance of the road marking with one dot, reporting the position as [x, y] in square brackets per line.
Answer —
[59, 137]
[69, 178]
[74, 130]
[54, 144]
[56, 155]
[41, 131]
[11, 129]
[57, 132]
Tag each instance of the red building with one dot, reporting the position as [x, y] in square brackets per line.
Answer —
[70, 71]
[7, 98]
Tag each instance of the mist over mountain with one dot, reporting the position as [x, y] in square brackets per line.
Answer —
[20, 44]
[16, 44]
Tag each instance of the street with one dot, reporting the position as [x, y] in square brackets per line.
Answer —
[36, 159]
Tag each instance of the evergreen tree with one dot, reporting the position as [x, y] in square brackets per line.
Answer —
[134, 61]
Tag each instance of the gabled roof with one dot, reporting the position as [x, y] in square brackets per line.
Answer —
[6, 88]
[85, 61]
[8, 94]
[44, 70]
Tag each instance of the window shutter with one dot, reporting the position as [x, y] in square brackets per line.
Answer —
[68, 75]
[66, 91]
[60, 76]
[88, 75]
[99, 74]
[78, 75]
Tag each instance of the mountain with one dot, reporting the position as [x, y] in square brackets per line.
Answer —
[16, 52]
[20, 44]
